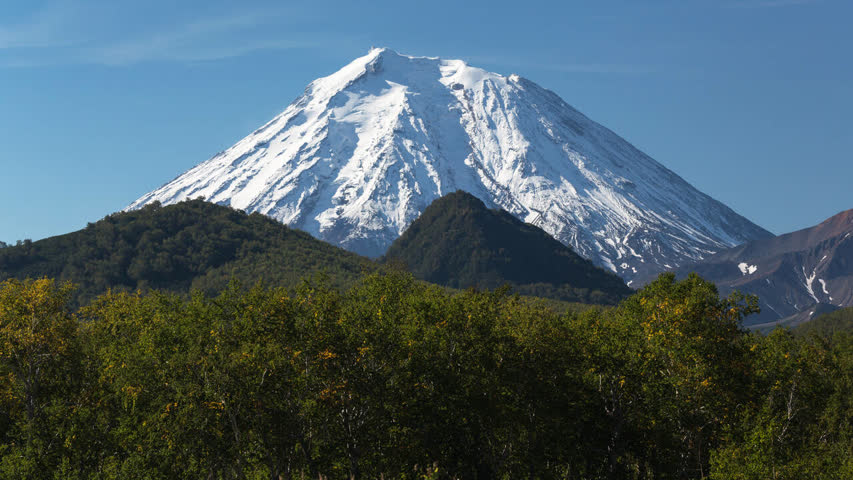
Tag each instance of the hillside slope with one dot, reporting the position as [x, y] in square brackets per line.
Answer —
[828, 324]
[193, 244]
[790, 273]
[460, 243]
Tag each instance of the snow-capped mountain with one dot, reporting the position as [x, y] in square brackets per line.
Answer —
[362, 152]
[791, 273]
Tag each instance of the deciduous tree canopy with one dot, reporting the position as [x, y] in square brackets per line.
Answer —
[398, 379]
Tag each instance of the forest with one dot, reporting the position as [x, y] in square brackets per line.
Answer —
[191, 245]
[396, 378]
[199, 245]
[458, 242]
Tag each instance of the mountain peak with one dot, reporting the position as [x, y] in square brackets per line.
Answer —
[458, 242]
[840, 221]
[413, 71]
[385, 52]
[365, 150]
[459, 199]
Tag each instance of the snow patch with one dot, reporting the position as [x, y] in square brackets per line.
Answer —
[747, 269]
[809, 281]
[823, 285]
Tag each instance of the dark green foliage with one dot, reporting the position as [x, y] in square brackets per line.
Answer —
[800, 423]
[199, 245]
[828, 324]
[394, 378]
[192, 244]
[460, 243]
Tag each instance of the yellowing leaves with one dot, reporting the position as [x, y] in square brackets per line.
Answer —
[326, 355]
[131, 390]
[215, 405]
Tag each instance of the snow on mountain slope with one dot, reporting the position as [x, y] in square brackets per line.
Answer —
[791, 273]
[362, 152]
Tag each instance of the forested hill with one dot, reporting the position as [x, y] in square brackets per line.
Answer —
[828, 324]
[193, 244]
[460, 243]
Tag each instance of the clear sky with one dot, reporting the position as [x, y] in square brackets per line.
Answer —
[103, 101]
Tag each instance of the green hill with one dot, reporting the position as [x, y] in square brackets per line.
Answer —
[460, 243]
[192, 244]
[828, 324]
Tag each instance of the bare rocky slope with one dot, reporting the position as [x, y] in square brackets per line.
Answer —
[795, 276]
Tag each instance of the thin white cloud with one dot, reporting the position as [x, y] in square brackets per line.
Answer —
[206, 39]
[40, 30]
[44, 40]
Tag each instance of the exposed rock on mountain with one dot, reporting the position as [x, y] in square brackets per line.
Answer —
[790, 273]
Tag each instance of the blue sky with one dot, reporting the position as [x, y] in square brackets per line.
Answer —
[103, 101]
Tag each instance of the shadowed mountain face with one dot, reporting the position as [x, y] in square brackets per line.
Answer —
[357, 157]
[459, 242]
[790, 273]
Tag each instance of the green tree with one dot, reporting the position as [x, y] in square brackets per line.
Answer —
[38, 374]
[801, 423]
